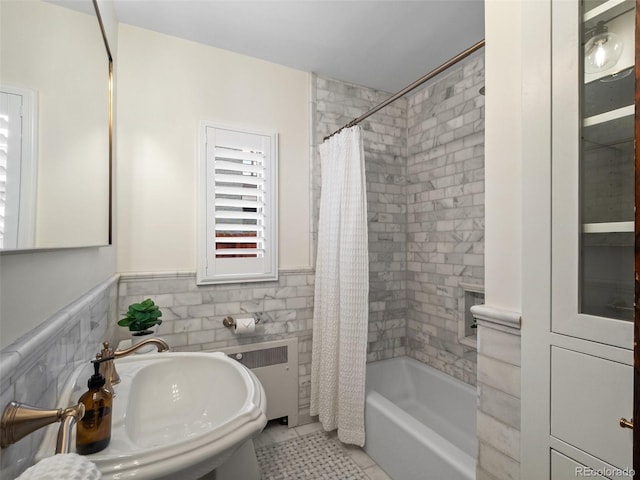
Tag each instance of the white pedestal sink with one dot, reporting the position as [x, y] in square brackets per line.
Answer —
[175, 415]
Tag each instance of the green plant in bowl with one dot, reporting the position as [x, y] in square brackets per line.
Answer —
[141, 317]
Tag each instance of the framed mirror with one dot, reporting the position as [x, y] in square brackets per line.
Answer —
[55, 125]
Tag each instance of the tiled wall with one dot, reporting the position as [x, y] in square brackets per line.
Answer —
[424, 161]
[334, 104]
[445, 214]
[498, 421]
[34, 369]
[192, 315]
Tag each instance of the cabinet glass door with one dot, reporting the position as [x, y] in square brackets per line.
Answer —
[607, 160]
[593, 170]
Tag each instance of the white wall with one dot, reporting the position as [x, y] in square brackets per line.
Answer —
[166, 86]
[36, 285]
[503, 152]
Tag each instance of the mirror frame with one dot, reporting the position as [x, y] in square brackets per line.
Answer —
[110, 155]
[110, 101]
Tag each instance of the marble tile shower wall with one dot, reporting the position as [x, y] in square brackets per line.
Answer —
[192, 314]
[445, 214]
[35, 367]
[334, 103]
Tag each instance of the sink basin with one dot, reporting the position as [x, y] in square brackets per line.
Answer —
[176, 415]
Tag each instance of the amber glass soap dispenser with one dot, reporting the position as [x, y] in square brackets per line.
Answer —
[94, 430]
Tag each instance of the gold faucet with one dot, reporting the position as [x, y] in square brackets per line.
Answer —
[19, 420]
[108, 368]
[158, 342]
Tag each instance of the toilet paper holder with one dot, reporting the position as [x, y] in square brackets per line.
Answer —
[230, 322]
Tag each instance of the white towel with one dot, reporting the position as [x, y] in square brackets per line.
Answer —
[67, 466]
[341, 304]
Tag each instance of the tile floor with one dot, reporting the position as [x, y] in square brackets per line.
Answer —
[274, 433]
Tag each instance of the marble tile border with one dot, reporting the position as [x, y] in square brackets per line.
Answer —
[494, 317]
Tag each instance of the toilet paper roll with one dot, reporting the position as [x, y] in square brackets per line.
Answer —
[245, 325]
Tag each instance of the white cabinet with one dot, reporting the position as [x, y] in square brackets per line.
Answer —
[588, 396]
[565, 468]
[592, 239]
[578, 266]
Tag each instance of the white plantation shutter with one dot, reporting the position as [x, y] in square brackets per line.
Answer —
[238, 206]
[18, 167]
[240, 172]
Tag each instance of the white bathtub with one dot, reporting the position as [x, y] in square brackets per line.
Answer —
[420, 423]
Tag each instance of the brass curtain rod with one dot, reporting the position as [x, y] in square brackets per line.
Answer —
[414, 85]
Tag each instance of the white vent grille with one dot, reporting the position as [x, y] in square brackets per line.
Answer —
[276, 366]
[263, 358]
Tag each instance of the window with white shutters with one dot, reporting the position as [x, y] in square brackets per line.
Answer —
[239, 202]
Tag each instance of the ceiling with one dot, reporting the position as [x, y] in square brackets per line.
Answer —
[384, 44]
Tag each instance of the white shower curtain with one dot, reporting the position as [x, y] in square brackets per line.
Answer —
[341, 304]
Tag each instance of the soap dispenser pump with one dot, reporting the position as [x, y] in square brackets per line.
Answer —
[94, 429]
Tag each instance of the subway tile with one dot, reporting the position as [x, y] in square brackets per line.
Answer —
[482, 474]
[176, 339]
[501, 466]
[499, 375]
[500, 436]
[191, 298]
[500, 405]
[141, 288]
[215, 296]
[188, 325]
[200, 337]
[274, 304]
[202, 310]
[240, 294]
[247, 306]
[260, 293]
[227, 308]
[295, 280]
[499, 345]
